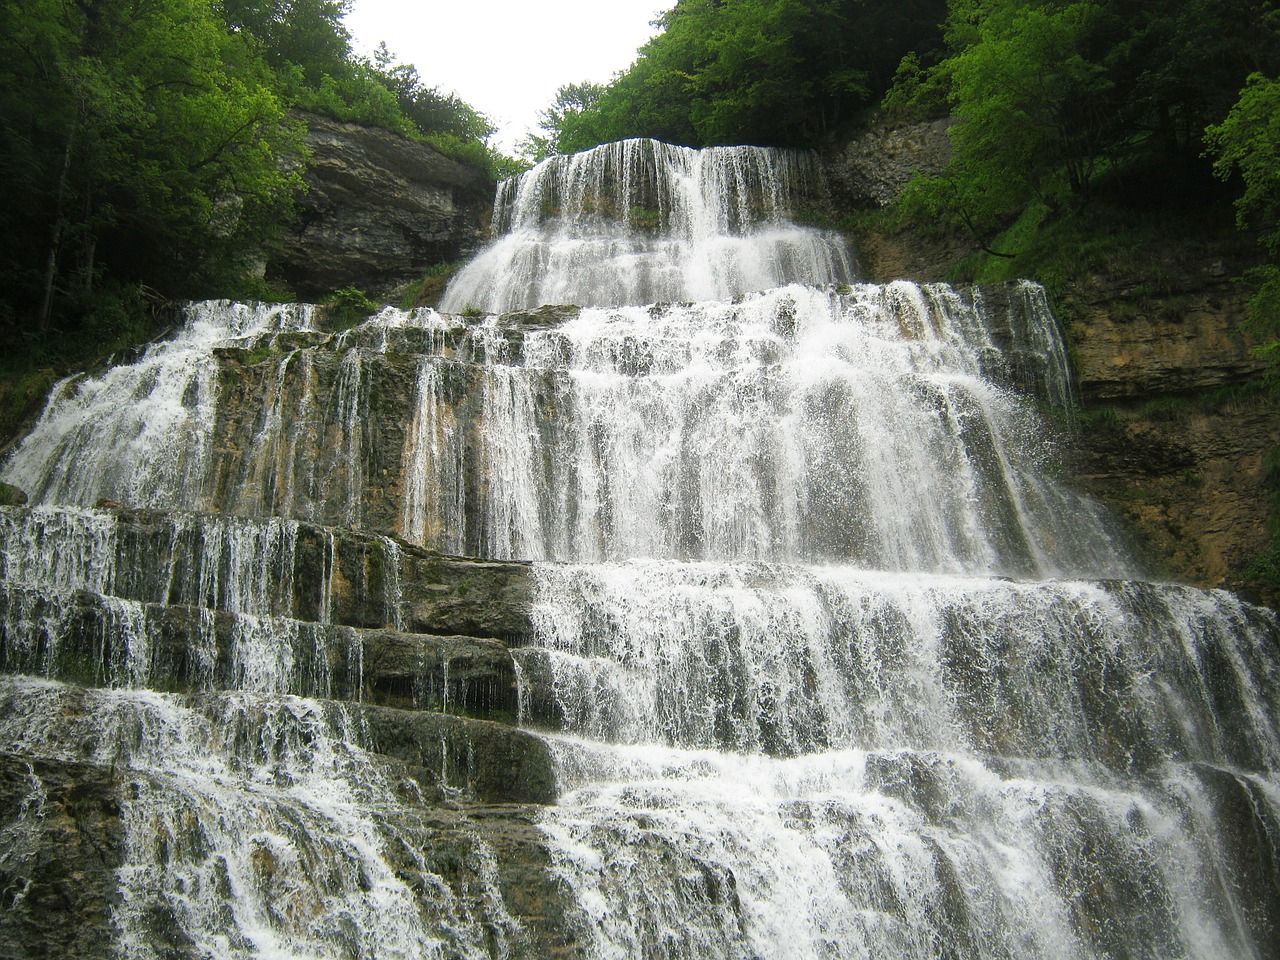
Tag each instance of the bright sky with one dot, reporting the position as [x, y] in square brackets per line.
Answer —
[507, 58]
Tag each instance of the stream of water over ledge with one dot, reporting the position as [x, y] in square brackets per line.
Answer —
[784, 634]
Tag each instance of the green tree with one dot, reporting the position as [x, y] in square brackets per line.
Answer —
[562, 123]
[1247, 142]
[1030, 100]
[750, 71]
[143, 138]
[307, 34]
[1056, 99]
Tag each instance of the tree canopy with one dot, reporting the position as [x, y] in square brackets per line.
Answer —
[770, 72]
[1053, 99]
[150, 144]
[1247, 142]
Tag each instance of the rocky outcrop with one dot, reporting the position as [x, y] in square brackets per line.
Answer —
[1128, 344]
[1175, 435]
[221, 623]
[1176, 432]
[378, 210]
[872, 168]
[61, 842]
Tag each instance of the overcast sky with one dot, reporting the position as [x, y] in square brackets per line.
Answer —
[507, 57]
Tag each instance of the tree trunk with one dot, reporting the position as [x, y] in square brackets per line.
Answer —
[59, 226]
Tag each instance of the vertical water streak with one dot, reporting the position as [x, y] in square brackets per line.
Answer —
[140, 433]
[259, 827]
[877, 425]
[435, 467]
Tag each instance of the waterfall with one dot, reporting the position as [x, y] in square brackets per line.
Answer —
[641, 222]
[740, 610]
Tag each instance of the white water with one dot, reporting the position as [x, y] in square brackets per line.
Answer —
[258, 828]
[140, 432]
[642, 222]
[819, 627]
[875, 425]
[892, 854]
[896, 756]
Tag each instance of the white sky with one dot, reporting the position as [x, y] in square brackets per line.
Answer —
[506, 58]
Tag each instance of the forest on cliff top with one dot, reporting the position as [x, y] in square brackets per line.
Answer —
[150, 148]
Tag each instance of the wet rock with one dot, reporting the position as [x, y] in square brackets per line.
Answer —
[61, 841]
[289, 569]
[472, 759]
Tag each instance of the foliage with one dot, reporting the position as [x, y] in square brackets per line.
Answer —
[1248, 142]
[428, 291]
[348, 306]
[564, 123]
[141, 138]
[152, 146]
[1055, 99]
[746, 71]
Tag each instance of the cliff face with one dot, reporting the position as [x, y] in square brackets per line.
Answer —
[1175, 434]
[1174, 437]
[379, 209]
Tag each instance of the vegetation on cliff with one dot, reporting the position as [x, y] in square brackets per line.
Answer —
[149, 151]
[1087, 132]
[766, 72]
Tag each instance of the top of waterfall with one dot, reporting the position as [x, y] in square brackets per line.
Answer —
[650, 185]
[641, 221]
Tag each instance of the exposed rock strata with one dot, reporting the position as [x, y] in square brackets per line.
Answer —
[379, 209]
[466, 790]
[61, 841]
[872, 168]
[1175, 437]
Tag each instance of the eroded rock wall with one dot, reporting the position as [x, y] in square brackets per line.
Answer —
[379, 210]
[1175, 433]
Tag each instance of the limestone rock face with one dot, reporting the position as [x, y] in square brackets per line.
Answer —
[62, 843]
[871, 169]
[1127, 346]
[379, 209]
[1175, 439]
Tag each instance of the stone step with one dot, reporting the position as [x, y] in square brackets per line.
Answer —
[265, 568]
[93, 640]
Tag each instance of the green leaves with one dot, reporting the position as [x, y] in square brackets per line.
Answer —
[1056, 100]
[140, 138]
[750, 71]
[1029, 103]
[1248, 142]
[150, 141]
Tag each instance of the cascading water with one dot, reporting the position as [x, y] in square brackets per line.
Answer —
[641, 221]
[830, 661]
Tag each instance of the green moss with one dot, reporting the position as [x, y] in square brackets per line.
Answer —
[642, 218]
[21, 397]
[1169, 407]
[347, 307]
[260, 353]
[427, 291]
